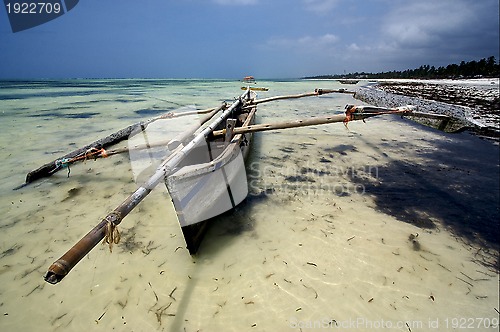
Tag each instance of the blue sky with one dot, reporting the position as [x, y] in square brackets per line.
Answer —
[234, 38]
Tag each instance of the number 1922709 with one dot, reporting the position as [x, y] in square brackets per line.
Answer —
[33, 8]
[471, 323]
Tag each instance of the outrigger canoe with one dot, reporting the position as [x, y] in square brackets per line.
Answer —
[348, 81]
[204, 174]
[249, 80]
[205, 171]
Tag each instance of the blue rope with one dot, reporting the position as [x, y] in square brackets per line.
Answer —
[64, 163]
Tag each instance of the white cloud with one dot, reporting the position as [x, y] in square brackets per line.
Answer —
[435, 32]
[324, 40]
[383, 35]
[320, 6]
[305, 43]
[426, 22]
[236, 2]
[354, 48]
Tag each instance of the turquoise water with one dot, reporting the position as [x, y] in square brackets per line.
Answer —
[323, 241]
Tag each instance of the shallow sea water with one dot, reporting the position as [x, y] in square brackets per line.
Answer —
[322, 242]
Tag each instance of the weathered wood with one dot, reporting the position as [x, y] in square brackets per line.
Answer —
[52, 167]
[317, 92]
[444, 119]
[230, 127]
[266, 100]
[171, 144]
[358, 113]
[60, 268]
[284, 125]
[255, 89]
[302, 95]
[429, 116]
[325, 91]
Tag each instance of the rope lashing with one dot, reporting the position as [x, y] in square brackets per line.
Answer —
[104, 153]
[89, 154]
[358, 112]
[112, 234]
[168, 115]
[92, 153]
[63, 163]
[349, 114]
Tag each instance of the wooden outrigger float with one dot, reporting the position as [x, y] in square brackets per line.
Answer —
[205, 173]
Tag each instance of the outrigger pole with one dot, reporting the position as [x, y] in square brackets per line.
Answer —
[352, 113]
[106, 229]
[96, 149]
[317, 92]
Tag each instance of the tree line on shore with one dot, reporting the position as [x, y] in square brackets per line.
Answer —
[486, 67]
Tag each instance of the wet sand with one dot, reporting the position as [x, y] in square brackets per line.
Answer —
[386, 225]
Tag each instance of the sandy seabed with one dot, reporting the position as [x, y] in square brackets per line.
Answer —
[384, 225]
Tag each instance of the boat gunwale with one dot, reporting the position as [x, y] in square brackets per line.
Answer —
[229, 153]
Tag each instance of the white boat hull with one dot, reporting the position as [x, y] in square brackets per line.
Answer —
[201, 192]
[210, 180]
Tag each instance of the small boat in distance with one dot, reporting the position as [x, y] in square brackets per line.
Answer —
[249, 80]
[348, 81]
[255, 88]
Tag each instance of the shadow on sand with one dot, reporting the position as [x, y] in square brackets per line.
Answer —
[457, 187]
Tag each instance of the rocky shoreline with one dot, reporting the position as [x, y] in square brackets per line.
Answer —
[476, 106]
[482, 98]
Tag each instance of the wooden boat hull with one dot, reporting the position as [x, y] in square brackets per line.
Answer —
[210, 181]
[255, 88]
[249, 80]
[349, 81]
[199, 198]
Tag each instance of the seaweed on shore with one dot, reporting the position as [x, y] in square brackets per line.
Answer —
[440, 99]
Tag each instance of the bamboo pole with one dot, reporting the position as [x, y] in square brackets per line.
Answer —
[284, 125]
[174, 142]
[54, 166]
[352, 114]
[317, 92]
[170, 144]
[105, 229]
